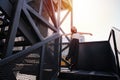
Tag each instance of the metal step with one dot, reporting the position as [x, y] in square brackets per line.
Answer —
[29, 65]
[87, 75]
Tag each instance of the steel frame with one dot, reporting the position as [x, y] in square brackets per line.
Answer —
[22, 19]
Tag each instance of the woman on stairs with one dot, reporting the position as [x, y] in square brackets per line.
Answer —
[74, 47]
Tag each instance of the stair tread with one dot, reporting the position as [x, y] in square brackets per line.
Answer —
[92, 73]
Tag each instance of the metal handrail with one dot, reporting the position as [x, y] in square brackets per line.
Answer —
[116, 29]
[112, 34]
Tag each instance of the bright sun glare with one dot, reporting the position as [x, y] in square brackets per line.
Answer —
[95, 16]
[91, 16]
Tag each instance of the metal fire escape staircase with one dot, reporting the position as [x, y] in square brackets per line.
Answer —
[29, 43]
[97, 60]
[27, 47]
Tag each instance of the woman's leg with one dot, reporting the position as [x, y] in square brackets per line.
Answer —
[70, 50]
[74, 57]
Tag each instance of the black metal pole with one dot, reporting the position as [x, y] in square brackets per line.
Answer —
[116, 54]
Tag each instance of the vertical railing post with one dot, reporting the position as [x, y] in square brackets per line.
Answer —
[116, 54]
[112, 33]
[13, 29]
[60, 53]
[41, 63]
[71, 13]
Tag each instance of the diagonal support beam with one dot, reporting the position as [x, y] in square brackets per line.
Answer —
[13, 29]
[28, 50]
[33, 24]
[41, 18]
[24, 28]
[50, 9]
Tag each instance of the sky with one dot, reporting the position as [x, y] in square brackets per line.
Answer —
[95, 16]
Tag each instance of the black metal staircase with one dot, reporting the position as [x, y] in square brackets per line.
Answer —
[96, 61]
[27, 47]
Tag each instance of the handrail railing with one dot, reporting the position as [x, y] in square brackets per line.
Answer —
[112, 35]
[116, 29]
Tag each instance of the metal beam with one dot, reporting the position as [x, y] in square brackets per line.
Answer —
[28, 50]
[13, 29]
[42, 63]
[50, 10]
[33, 23]
[24, 28]
[41, 18]
[41, 7]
